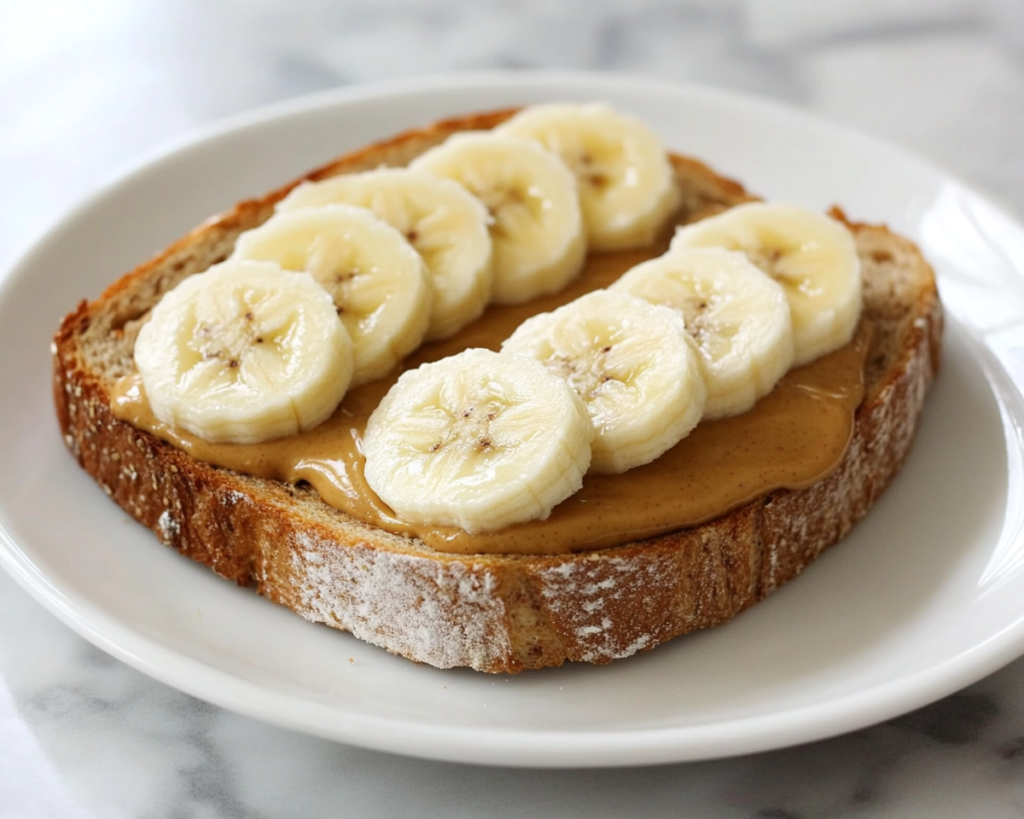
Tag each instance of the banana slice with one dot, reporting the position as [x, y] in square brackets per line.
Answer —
[536, 225]
[479, 440]
[811, 255]
[243, 353]
[633, 364]
[441, 219]
[627, 187]
[378, 282]
[738, 316]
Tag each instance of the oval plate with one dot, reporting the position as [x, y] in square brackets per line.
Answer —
[922, 598]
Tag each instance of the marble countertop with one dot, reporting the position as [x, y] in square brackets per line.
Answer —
[85, 87]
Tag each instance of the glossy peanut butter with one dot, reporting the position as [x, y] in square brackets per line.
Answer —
[793, 437]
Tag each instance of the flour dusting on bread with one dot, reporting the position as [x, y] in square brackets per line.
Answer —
[437, 614]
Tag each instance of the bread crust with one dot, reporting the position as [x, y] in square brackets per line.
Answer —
[494, 613]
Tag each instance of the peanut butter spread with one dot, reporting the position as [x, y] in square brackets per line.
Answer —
[792, 438]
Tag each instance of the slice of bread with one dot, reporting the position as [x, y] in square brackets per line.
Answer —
[495, 613]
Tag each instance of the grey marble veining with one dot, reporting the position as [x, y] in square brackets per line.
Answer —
[84, 87]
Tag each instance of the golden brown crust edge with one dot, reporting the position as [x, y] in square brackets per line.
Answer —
[495, 613]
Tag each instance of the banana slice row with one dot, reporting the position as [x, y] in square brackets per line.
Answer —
[701, 332]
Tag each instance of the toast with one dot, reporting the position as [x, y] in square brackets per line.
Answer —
[496, 613]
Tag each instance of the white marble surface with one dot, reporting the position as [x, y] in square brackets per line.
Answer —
[85, 86]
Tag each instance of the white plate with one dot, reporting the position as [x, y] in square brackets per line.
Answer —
[923, 598]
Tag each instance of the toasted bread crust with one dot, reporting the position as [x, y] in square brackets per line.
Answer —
[495, 613]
